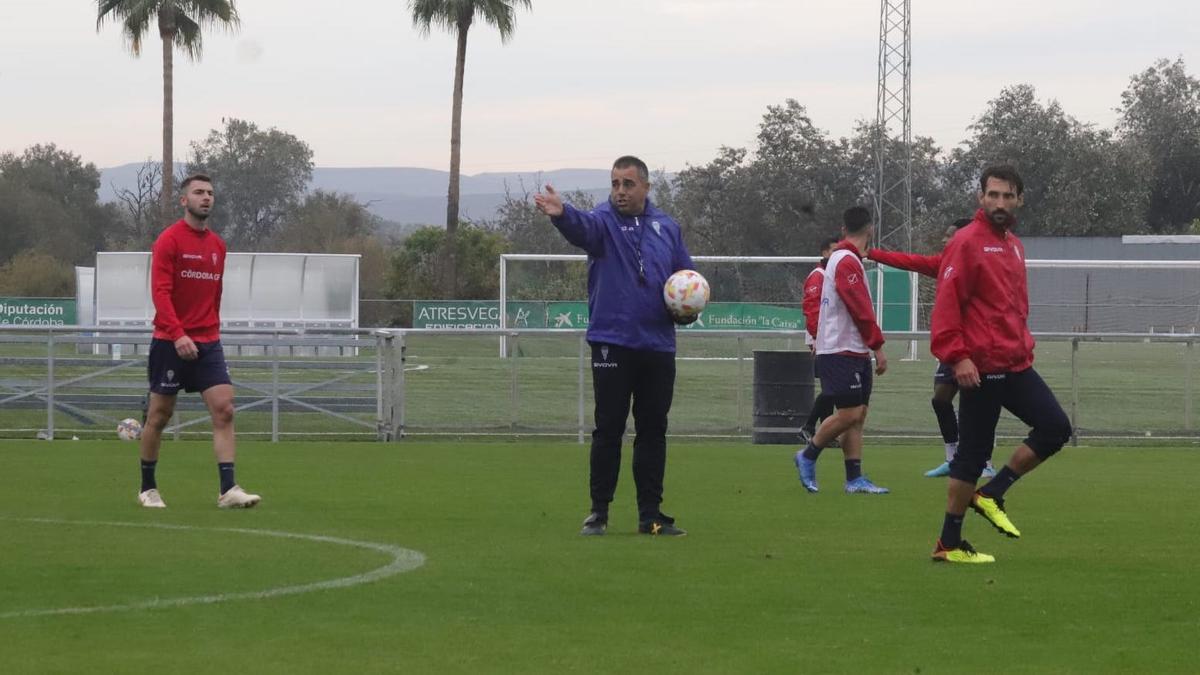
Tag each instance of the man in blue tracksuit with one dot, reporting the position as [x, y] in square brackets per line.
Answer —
[632, 248]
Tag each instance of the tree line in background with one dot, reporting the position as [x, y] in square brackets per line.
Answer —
[1143, 177]
[780, 197]
[51, 218]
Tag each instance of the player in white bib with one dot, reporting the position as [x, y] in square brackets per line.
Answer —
[847, 335]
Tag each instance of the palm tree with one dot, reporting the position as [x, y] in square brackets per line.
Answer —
[456, 16]
[179, 25]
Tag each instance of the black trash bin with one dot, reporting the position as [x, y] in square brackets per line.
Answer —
[783, 395]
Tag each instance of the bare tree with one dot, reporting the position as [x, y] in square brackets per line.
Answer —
[141, 205]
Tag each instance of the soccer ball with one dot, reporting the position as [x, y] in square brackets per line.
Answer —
[129, 429]
[686, 294]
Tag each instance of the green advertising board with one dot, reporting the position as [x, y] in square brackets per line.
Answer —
[748, 316]
[467, 314]
[566, 315]
[36, 312]
[717, 316]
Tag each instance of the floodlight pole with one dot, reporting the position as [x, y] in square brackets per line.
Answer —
[893, 165]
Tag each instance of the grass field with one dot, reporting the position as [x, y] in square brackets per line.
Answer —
[769, 579]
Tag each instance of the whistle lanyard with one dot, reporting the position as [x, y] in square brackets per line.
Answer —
[637, 248]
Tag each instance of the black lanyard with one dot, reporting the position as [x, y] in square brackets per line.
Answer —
[637, 248]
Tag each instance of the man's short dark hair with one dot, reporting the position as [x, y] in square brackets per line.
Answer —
[626, 161]
[1004, 172]
[962, 222]
[829, 242]
[856, 219]
[194, 177]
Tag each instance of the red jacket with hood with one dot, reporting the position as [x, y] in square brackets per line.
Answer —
[981, 309]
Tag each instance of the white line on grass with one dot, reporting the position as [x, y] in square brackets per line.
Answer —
[403, 560]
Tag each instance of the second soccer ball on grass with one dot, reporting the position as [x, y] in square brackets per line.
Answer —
[129, 429]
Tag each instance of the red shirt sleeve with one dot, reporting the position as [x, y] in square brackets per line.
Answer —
[811, 302]
[162, 284]
[921, 264]
[220, 284]
[851, 284]
[955, 281]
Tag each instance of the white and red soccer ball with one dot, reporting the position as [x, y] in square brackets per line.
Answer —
[686, 295]
[129, 429]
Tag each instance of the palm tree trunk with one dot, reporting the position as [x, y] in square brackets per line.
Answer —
[166, 26]
[452, 194]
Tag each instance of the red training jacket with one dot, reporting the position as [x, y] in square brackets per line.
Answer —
[811, 301]
[981, 308]
[185, 281]
[909, 262]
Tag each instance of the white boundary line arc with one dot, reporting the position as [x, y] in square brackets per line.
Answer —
[403, 560]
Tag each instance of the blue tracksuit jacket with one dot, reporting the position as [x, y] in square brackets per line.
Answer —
[625, 297]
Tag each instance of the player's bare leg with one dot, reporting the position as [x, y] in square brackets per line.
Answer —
[158, 414]
[852, 452]
[1023, 460]
[219, 399]
[846, 424]
[837, 424]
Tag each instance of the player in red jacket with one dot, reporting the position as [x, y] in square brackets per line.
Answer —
[980, 327]
[847, 336]
[944, 386]
[187, 266]
[822, 406]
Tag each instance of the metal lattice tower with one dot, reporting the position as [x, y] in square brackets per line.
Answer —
[893, 188]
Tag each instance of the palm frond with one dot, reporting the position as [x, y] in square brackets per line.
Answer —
[429, 13]
[136, 18]
[122, 10]
[188, 37]
[451, 15]
[501, 14]
[191, 17]
[214, 14]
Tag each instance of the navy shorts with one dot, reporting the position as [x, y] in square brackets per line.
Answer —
[845, 379]
[944, 374]
[1026, 396]
[169, 373]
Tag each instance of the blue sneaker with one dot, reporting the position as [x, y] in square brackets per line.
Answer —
[989, 471]
[863, 485]
[938, 471]
[808, 471]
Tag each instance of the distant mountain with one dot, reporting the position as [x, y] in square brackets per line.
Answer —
[411, 196]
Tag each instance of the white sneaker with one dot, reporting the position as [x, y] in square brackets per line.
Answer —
[151, 499]
[237, 498]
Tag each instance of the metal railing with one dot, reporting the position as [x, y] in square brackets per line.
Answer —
[418, 382]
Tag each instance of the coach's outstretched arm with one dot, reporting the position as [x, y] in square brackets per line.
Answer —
[578, 227]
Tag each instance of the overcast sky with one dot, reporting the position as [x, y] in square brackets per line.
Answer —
[581, 82]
